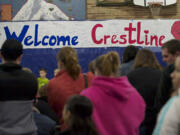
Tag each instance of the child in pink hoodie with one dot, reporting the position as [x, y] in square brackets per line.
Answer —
[118, 107]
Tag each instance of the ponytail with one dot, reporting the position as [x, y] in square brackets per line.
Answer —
[68, 57]
[108, 63]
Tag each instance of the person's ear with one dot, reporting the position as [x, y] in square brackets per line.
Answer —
[97, 73]
[1, 56]
[60, 65]
[177, 53]
[18, 60]
[69, 114]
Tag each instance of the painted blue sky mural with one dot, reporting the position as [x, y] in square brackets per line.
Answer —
[75, 9]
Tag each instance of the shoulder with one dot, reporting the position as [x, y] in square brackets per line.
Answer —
[169, 69]
[90, 75]
[169, 118]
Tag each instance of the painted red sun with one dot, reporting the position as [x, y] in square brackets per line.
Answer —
[175, 30]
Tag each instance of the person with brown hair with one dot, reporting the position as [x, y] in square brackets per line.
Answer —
[77, 115]
[68, 81]
[169, 117]
[170, 51]
[118, 107]
[145, 78]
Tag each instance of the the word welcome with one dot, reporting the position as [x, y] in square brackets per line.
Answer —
[46, 40]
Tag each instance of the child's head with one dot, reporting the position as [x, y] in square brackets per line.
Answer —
[77, 115]
[42, 92]
[42, 73]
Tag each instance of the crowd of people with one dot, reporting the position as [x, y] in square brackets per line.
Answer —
[137, 97]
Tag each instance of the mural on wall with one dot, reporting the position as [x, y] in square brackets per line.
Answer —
[17, 10]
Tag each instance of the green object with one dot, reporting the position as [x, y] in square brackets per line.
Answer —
[42, 81]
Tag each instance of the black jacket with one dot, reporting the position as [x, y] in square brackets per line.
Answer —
[44, 108]
[16, 84]
[165, 87]
[146, 81]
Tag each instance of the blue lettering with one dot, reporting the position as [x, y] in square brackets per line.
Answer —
[46, 40]
[27, 39]
[36, 42]
[13, 35]
[52, 41]
[63, 39]
[43, 40]
[73, 41]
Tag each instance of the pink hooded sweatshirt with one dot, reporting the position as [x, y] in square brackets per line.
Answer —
[118, 107]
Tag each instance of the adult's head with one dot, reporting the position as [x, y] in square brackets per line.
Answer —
[175, 75]
[107, 64]
[129, 53]
[170, 50]
[11, 51]
[68, 60]
[146, 58]
[77, 115]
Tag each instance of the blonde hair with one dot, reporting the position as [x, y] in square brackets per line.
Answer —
[146, 58]
[68, 57]
[108, 63]
[43, 90]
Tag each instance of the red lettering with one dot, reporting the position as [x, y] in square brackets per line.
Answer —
[146, 37]
[139, 34]
[113, 39]
[160, 40]
[123, 37]
[105, 38]
[154, 38]
[130, 29]
[93, 34]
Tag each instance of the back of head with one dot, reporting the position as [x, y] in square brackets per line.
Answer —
[79, 106]
[81, 110]
[108, 64]
[172, 46]
[146, 58]
[129, 53]
[68, 57]
[11, 50]
[43, 91]
[91, 66]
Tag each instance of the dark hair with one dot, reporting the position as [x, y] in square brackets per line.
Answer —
[172, 46]
[108, 63]
[146, 58]
[81, 110]
[11, 49]
[129, 53]
[43, 69]
[68, 57]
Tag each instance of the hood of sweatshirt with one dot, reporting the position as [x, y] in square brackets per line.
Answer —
[117, 87]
